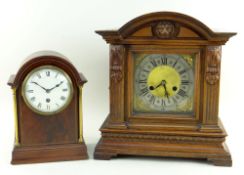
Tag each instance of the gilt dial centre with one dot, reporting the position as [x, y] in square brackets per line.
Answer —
[162, 78]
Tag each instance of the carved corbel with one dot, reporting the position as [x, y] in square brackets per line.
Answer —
[213, 64]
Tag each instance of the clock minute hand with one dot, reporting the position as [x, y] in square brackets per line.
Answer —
[39, 85]
[57, 85]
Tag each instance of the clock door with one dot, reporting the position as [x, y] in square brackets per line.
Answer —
[162, 85]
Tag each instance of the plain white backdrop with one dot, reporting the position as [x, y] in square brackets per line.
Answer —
[67, 26]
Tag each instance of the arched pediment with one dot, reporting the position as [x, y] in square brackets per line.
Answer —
[161, 26]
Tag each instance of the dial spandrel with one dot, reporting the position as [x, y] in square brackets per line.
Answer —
[163, 83]
[47, 90]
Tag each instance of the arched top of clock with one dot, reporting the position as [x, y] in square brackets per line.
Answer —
[46, 58]
[161, 27]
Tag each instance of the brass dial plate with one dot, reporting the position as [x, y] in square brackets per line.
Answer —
[163, 83]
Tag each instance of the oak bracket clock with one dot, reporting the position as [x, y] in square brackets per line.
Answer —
[164, 90]
[47, 91]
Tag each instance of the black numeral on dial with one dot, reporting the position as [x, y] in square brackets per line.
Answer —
[39, 105]
[48, 73]
[164, 60]
[142, 81]
[174, 100]
[144, 91]
[153, 62]
[185, 82]
[63, 98]
[163, 103]
[183, 71]
[182, 93]
[145, 70]
[38, 75]
[152, 99]
[175, 63]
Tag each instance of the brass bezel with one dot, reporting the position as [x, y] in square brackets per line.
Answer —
[47, 67]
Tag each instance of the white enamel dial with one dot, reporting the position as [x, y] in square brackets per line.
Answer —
[47, 90]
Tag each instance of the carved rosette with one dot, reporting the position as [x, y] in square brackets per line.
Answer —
[165, 29]
[116, 64]
[213, 64]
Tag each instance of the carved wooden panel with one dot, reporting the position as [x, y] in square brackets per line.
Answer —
[213, 65]
[165, 29]
[211, 89]
[116, 65]
[162, 138]
[117, 54]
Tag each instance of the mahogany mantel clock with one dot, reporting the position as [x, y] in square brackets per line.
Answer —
[47, 96]
[164, 90]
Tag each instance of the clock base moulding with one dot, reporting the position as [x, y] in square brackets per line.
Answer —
[164, 143]
[39, 154]
[217, 154]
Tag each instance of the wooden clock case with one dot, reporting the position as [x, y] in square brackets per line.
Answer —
[198, 136]
[41, 138]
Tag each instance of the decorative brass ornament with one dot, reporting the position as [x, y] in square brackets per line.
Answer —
[188, 59]
[80, 115]
[16, 126]
[165, 30]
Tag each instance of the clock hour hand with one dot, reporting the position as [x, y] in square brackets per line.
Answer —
[57, 85]
[39, 85]
[153, 88]
[163, 83]
[165, 89]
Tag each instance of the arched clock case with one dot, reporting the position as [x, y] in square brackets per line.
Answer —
[47, 91]
[164, 90]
